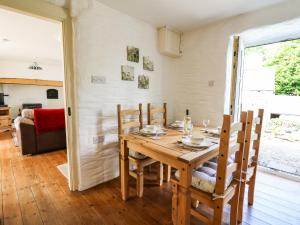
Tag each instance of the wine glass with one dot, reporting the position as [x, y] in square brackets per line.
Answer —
[189, 129]
[205, 124]
[157, 129]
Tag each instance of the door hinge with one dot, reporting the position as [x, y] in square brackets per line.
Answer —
[69, 111]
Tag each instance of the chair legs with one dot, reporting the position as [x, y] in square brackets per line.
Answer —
[234, 209]
[161, 174]
[140, 181]
[167, 174]
[218, 212]
[174, 203]
[241, 202]
[251, 190]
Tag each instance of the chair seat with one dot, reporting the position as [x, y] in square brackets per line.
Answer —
[204, 177]
[250, 172]
[251, 154]
[137, 155]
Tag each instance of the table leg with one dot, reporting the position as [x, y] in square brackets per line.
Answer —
[184, 196]
[124, 168]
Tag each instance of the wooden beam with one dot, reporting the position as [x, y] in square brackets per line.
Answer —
[52, 83]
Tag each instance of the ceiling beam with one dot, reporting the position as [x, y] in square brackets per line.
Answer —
[37, 82]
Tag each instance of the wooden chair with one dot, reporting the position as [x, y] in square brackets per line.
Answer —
[137, 159]
[151, 112]
[227, 174]
[250, 159]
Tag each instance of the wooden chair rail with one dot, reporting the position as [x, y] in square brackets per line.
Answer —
[236, 127]
[157, 110]
[231, 169]
[133, 124]
[200, 216]
[234, 148]
[130, 112]
[157, 121]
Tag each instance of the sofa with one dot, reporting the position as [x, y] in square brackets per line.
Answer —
[40, 130]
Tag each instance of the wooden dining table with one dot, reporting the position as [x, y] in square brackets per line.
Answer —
[169, 151]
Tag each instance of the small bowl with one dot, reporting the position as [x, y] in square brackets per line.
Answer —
[197, 140]
[150, 127]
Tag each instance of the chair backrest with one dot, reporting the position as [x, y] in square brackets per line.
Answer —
[252, 139]
[155, 110]
[258, 131]
[123, 124]
[230, 144]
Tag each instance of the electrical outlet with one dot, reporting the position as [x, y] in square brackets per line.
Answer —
[211, 83]
[98, 139]
[98, 79]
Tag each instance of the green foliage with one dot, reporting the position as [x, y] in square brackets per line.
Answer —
[287, 68]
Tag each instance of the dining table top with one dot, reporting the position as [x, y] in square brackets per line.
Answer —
[169, 144]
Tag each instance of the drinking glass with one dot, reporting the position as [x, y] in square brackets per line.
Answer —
[189, 129]
[205, 124]
[157, 129]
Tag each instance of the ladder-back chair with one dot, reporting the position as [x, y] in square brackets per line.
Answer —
[135, 158]
[152, 118]
[217, 181]
[250, 159]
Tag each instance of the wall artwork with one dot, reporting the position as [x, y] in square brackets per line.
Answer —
[52, 94]
[143, 82]
[127, 73]
[148, 64]
[133, 54]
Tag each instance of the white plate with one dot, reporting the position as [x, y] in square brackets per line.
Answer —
[203, 144]
[175, 125]
[151, 132]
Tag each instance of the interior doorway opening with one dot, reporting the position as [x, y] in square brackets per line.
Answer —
[33, 76]
[271, 80]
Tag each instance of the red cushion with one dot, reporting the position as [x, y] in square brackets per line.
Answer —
[47, 120]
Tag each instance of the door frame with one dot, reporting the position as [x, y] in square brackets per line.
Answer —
[235, 81]
[45, 10]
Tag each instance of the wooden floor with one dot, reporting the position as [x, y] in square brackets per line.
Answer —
[33, 191]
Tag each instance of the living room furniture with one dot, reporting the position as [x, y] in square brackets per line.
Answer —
[137, 159]
[215, 182]
[41, 130]
[158, 115]
[251, 152]
[166, 151]
[5, 119]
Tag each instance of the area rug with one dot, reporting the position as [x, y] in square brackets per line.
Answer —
[64, 169]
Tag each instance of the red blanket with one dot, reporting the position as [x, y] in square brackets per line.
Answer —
[46, 120]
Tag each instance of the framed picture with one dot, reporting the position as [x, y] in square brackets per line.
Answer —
[148, 64]
[143, 82]
[133, 54]
[52, 94]
[127, 73]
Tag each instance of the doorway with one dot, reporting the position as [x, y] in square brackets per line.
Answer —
[47, 11]
[271, 80]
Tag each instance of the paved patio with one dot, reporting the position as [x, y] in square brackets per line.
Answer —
[280, 155]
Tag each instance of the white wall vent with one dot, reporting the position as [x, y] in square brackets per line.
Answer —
[169, 42]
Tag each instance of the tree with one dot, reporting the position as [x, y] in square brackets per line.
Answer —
[287, 68]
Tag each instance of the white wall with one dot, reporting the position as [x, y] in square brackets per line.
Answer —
[19, 94]
[204, 59]
[52, 70]
[101, 37]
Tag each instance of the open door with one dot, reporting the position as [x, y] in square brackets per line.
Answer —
[236, 81]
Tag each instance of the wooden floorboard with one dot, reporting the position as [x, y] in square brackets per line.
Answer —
[33, 191]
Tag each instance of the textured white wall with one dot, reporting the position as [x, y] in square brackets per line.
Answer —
[101, 37]
[52, 70]
[204, 59]
[19, 94]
